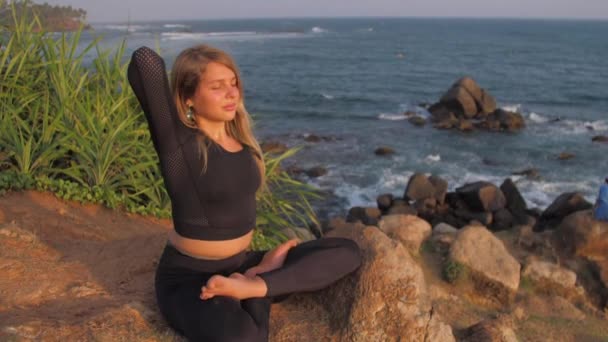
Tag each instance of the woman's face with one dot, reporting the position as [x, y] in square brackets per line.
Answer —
[217, 95]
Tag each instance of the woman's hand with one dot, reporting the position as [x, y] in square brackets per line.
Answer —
[273, 259]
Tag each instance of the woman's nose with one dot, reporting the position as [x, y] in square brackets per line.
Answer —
[233, 92]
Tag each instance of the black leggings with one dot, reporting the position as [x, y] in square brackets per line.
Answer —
[309, 266]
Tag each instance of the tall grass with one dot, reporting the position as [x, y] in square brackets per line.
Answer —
[77, 130]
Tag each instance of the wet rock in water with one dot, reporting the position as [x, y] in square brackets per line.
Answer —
[465, 125]
[419, 187]
[492, 269]
[459, 100]
[312, 138]
[384, 202]
[316, 171]
[441, 188]
[515, 201]
[600, 138]
[367, 215]
[387, 299]
[384, 151]
[417, 120]
[482, 196]
[409, 114]
[273, 147]
[564, 205]
[509, 121]
[566, 156]
[443, 119]
[408, 229]
[531, 173]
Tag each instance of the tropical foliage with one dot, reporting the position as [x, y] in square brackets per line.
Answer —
[77, 130]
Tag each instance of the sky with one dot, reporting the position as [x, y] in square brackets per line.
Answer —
[143, 10]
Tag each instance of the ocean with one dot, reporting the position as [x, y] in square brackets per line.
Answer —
[350, 80]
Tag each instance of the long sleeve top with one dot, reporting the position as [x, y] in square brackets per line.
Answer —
[218, 204]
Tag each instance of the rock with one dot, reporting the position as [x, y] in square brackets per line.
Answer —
[484, 218]
[491, 330]
[387, 298]
[509, 121]
[600, 138]
[550, 277]
[515, 201]
[582, 235]
[460, 101]
[417, 120]
[316, 171]
[465, 125]
[407, 229]
[444, 119]
[502, 219]
[384, 151]
[368, 216]
[531, 173]
[298, 233]
[444, 228]
[312, 138]
[419, 187]
[487, 103]
[470, 86]
[482, 196]
[441, 188]
[566, 156]
[564, 205]
[273, 147]
[491, 123]
[384, 202]
[494, 272]
[402, 209]
[409, 114]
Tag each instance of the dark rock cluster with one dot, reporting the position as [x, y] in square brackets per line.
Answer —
[466, 106]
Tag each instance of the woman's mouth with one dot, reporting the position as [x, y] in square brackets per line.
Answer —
[230, 107]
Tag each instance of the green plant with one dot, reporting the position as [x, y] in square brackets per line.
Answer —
[74, 127]
[453, 271]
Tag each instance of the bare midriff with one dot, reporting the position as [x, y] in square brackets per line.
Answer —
[206, 249]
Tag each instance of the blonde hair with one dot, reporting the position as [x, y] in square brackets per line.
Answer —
[186, 73]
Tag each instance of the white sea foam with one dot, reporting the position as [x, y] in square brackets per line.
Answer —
[537, 118]
[512, 108]
[175, 26]
[125, 27]
[327, 96]
[581, 127]
[318, 29]
[432, 158]
[200, 35]
[391, 117]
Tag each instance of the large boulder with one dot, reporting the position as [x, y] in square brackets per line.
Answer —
[515, 201]
[419, 187]
[495, 273]
[410, 230]
[582, 235]
[367, 215]
[509, 121]
[459, 100]
[482, 196]
[551, 278]
[564, 205]
[386, 299]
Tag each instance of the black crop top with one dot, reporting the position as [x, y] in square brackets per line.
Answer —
[218, 204]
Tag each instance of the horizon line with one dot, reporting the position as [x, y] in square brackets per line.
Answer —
[355, 17]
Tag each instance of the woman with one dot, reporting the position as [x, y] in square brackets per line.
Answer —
[208, 287]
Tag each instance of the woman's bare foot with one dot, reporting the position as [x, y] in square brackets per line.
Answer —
[273, 259]
[237, 286]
